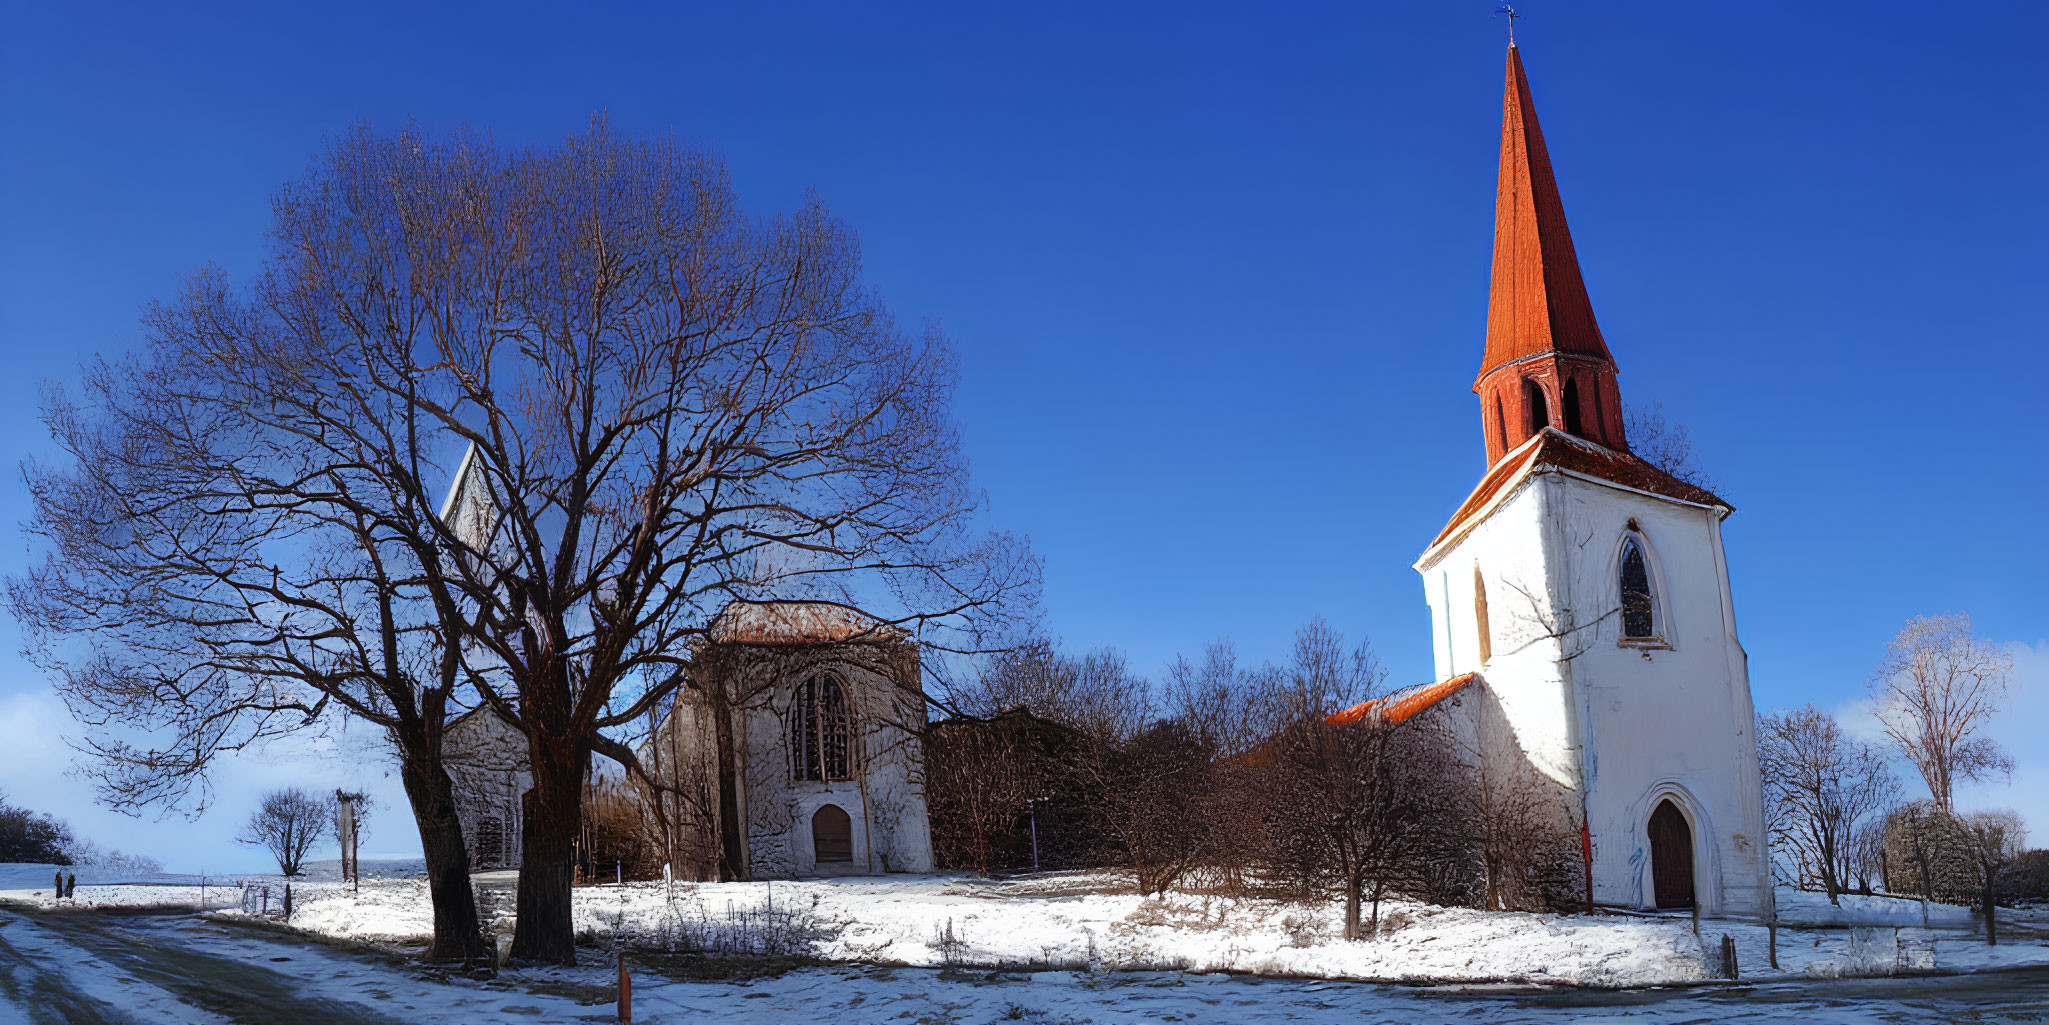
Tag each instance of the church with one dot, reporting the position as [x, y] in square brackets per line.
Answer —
[1585, 593]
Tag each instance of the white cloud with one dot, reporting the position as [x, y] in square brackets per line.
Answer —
[2019, 726]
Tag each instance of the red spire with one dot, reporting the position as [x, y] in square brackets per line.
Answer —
[1541, 332]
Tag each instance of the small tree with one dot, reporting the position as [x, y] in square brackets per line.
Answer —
[1354, 797]
[288, 824]
[1153, 791]
[1924, 854]
[1823, 785]
[1938, 686]
[1995, 840]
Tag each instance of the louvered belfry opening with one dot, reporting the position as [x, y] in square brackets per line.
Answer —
[821, 731]
[1671, 856]
[832, 835]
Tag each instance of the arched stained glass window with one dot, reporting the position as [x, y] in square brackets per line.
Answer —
[1638, 608]
[821, 731]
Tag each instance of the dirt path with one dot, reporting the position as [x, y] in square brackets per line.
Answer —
[169, 966]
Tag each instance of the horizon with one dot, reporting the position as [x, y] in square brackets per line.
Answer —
[1219, 288]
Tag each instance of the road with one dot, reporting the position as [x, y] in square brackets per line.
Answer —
[167, 966]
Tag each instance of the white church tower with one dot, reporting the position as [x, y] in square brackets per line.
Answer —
[1588, 588]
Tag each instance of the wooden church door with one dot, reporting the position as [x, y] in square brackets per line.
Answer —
[832, 835]
[1671, 857]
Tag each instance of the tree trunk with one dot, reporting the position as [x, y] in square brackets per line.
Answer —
[456, 933]
[732, 859]
[546, 931]
[1991, 924]
[1351, 907]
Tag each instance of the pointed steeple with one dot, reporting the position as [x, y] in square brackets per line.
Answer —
[1545, 362]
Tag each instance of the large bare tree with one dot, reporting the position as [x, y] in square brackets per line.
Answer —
[658, 404]
[1825, 787]
[1939, 685]
[243, 539]
[668, 405]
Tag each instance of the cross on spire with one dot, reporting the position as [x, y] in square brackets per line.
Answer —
[1508, 11]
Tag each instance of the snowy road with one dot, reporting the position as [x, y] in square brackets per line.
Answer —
[170, 967]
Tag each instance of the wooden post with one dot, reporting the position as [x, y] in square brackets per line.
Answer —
[625, 992]
[288, 902]
[1729, 967]
[1586, 849]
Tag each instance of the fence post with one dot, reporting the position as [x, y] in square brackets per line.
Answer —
[288, 902]
[625, 992]
[1729, 967]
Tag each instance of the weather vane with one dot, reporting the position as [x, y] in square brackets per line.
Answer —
[1505, 9]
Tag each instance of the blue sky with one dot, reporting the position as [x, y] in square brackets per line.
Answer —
[1219, 276]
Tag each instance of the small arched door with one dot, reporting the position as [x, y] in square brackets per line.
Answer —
[1671, 856]
[832, 835]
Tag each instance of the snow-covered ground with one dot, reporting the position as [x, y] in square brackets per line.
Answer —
[1092, 923]
[88, 969]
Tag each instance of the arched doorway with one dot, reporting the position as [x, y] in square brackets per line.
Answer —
[1671, 857]
[832, 835]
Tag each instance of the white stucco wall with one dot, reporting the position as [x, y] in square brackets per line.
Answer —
[1630, 723]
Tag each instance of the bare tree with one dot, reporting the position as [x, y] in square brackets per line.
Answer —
[668, 405]
[1995, 840]
[1925, 855]
[1521, 819]
[287, 824]
[659, 403]
[244, 537]
[1824, 786]
[1938, 686]
[1350, 790]
[1153, 791]
[1663, 443]
[1866, 856]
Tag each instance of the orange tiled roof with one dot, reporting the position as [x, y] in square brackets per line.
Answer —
[797, 622]
[1538, 302]
[1554, 448]
[1401, 707]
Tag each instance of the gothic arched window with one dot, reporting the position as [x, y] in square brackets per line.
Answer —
[1639, 617]
[821, 731]
[1540, 413]
[1480, 616]
[1572, 424]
